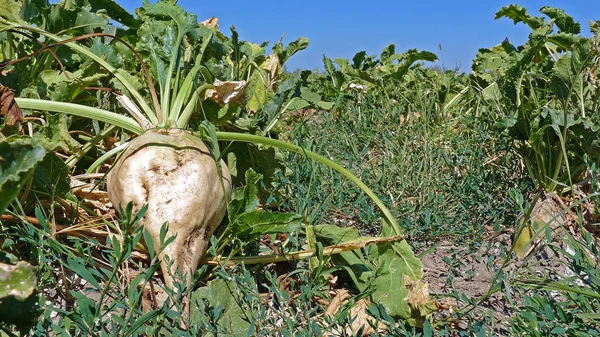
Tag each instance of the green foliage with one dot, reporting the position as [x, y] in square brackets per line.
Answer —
[423, 138]
[247, 222]
[545, 93]
[17, 161]
[18, 302]
[382, 75]
[383, 271]
[221, 313]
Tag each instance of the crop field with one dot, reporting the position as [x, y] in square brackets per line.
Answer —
[160, 176]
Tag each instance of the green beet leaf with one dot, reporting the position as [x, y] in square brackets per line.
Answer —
[258, 91]
[9, 14]
[261, 222]
[18, 302]
[115, 12]
[396, 263]
[17, 161]
[17, 280]
[569, 69]
[564, 22]
[519, 14]
[249, 222]
[217, 300]
[359, 268]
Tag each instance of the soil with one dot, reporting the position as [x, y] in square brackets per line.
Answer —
[456, 271]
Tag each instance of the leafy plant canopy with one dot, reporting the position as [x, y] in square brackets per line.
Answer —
[161, 176]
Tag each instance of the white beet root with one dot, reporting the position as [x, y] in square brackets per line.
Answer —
[175, 174]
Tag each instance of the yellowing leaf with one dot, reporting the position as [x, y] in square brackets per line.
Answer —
[523, 240]
[273, 66]
[258, 91]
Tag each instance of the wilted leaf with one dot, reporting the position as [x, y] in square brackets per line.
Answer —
[227, 92]
[419, 300]
[418, 294]
[212, 23]
[273, 66]
[545, 217]
[361, 319]
[8, 107]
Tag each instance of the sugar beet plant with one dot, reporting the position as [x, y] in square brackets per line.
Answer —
[547, 93]
[179, 81]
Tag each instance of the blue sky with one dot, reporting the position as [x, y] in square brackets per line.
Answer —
[343, 28]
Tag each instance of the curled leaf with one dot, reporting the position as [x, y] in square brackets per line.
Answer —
[273, 66]
[8, 107]
[362, 321]
[420, 302]
[226, 92]
[212, 23]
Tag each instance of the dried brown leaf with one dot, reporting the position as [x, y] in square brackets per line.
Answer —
[89, 193]
[212, 23]
[419, 300]
[8, 107]
[227, 92]
[359, 314]
[273, 66]
[418, 294]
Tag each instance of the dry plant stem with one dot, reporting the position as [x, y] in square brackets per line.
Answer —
[295, 256]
